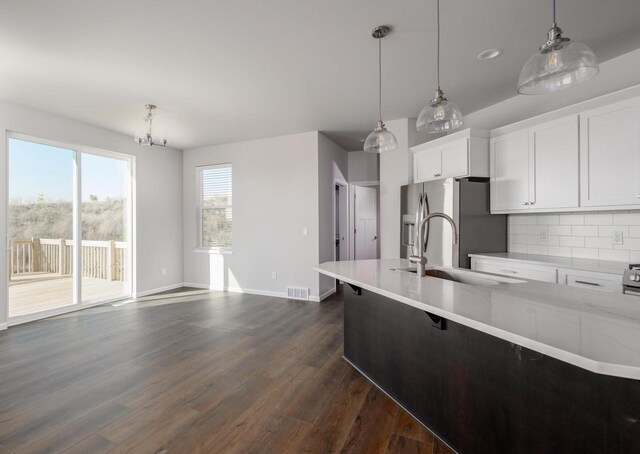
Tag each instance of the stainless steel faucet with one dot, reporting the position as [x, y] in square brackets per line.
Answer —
[420, 260]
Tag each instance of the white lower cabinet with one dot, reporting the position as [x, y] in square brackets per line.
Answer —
[509, 268]
[590, 280]
[593, 281]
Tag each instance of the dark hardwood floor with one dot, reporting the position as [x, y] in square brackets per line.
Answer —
[212, 374]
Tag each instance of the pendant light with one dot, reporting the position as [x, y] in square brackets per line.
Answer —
[380, 140]
[560, 63]
[440, 115]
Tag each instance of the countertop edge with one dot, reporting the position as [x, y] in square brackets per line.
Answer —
[598, 367]
[591, 267]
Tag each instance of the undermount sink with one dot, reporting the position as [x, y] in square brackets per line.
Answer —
[464, 277]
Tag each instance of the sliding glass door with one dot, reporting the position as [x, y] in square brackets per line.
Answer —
[105, 227]
[40, 227]
[60, 198]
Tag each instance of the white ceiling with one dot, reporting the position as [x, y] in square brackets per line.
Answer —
[225, 71]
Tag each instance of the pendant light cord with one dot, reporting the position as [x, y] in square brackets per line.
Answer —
[380, 79]
[438, 51]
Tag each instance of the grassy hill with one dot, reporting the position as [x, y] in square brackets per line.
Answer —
[101, 220]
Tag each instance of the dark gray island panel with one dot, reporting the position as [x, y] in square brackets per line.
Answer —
[481, 394]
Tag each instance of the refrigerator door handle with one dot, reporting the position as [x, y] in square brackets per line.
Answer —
[417, 225]
[425, 213]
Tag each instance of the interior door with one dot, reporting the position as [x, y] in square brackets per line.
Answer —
[366, 222]
[510, 172]
[343, 222]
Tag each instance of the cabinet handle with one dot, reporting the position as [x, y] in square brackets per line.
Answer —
[527, 203]
[509, 271]
[532, 203]
[588, 283]
[437, 174]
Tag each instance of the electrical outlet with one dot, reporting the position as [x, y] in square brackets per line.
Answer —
[274, 275]
[618, 237]
[544, 235]
[164, 271]
[305, 231]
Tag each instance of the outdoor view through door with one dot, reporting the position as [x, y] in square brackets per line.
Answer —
[47, 213]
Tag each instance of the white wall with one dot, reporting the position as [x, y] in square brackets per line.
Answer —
[577, 235]
[363, 167]
[396, 170]
[332, 166]
[275, 196]
[158, 187]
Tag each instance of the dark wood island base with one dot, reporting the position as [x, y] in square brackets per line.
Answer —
[481, 394]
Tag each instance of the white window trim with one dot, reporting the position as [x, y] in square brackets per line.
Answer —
[199, 247]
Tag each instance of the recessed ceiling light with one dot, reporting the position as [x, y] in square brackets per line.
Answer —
[489, 54]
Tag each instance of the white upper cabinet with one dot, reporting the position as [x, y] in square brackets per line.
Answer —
[554, 164]
[536, 169]
[510, 172]
[462, 154]
[610, 155]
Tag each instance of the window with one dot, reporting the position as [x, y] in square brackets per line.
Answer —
[214, 207]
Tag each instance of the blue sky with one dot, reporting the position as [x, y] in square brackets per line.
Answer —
[42, 169]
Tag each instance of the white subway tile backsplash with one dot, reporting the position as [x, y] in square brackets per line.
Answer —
[518, 229]
[584, 253]
[629, 244]
[549, 219]
[607, 230]
[613, 255]
[538, 249]
[584, 230]
[560, 251]
[598, 219]
[598, 242]
[515, 247]
[572, 241]
[626, 219]
[572, 219]
[562, 230]
[581, 235]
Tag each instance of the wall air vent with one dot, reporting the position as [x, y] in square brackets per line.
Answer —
[298, 293]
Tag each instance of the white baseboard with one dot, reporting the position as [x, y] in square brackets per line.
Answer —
[326, 294]
[158, 290]
[252, 291]
[3, 326]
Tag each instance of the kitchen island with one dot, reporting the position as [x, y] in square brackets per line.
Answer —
[512, 367]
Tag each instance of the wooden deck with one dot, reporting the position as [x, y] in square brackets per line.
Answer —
[36, 292]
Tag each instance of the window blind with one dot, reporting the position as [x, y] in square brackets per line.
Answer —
[216, 212]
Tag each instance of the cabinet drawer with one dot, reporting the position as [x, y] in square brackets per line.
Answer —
[591, 281]
[508, 268]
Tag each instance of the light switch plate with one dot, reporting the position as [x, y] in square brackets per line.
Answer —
[618, 237]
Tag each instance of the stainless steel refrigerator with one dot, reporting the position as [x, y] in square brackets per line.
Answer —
[467, 201]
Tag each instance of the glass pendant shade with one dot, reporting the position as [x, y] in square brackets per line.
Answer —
[558, 66]
[380, 140]
[440, 115]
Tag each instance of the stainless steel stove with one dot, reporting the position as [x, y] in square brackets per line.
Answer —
[631, 280]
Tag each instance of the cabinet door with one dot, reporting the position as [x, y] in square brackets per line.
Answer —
[610, 155]
[455, 159]
[510, 172]
[554, 164]
[428, 165]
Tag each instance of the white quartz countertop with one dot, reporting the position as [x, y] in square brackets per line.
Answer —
[600, 266]
[596, 331]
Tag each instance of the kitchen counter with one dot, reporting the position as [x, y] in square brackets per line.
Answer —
[591, 330]
[600, 266]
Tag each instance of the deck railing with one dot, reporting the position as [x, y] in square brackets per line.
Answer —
[100, 259]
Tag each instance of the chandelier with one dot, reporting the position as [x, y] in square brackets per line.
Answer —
[147, 139]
